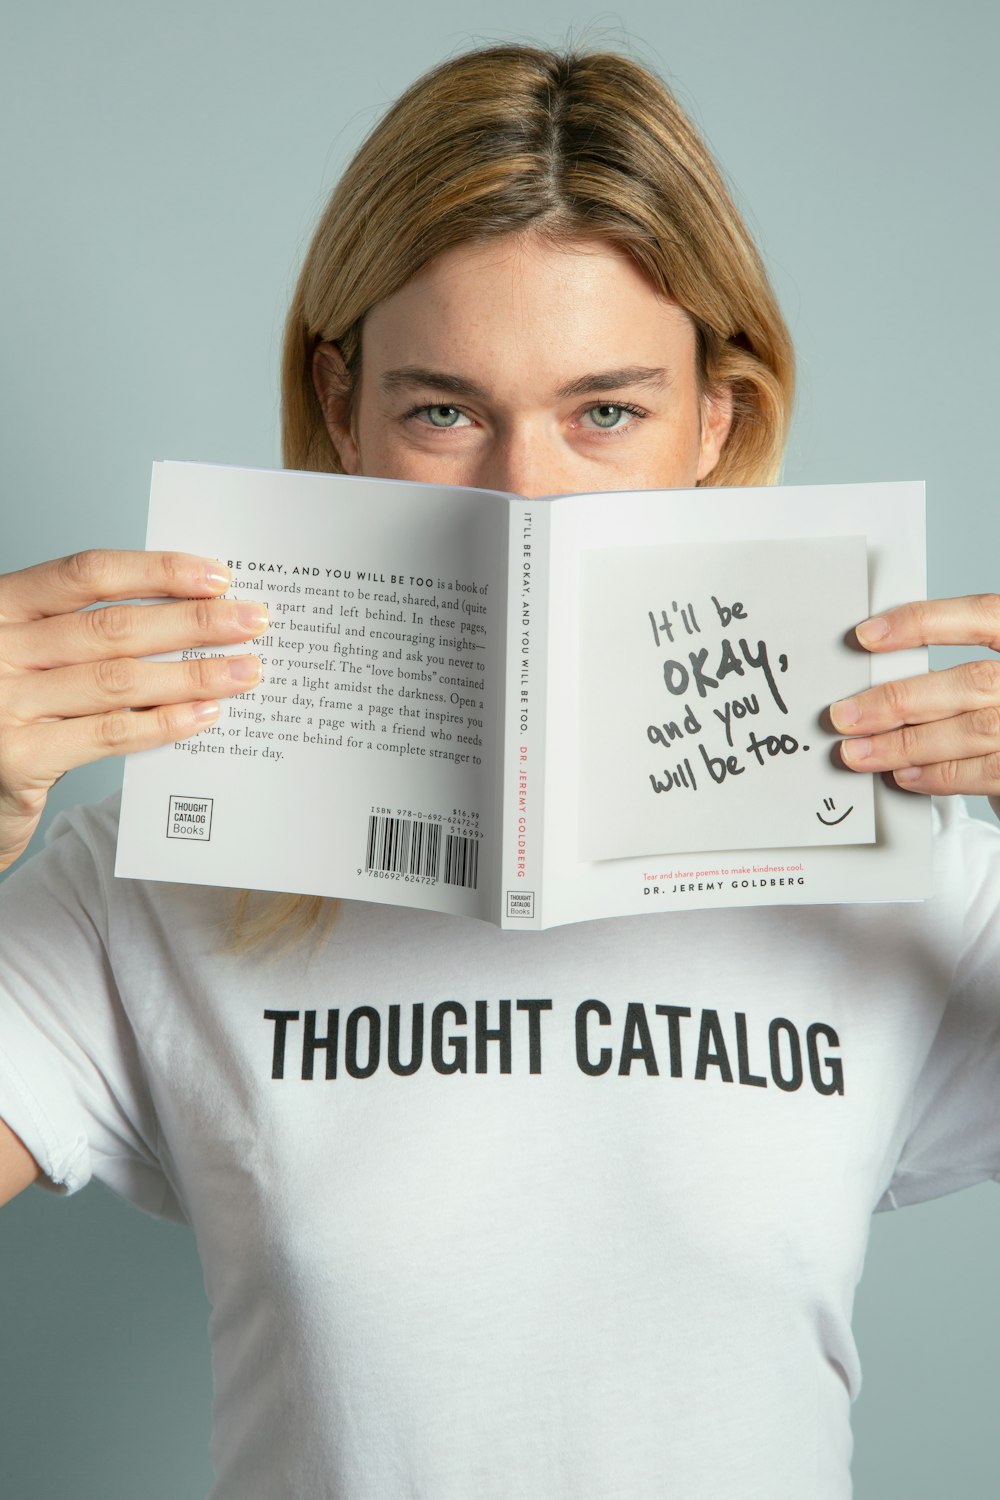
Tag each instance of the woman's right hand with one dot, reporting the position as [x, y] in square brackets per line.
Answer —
[70, 675]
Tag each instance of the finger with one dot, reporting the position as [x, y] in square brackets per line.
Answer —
[68, 583]
[99, 687]
[973, 778]
[966, 737]
[130, 630]
[973, 620]
[37, 756]
[919, 700]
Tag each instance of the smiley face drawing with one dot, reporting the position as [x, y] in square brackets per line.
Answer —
[828, 803]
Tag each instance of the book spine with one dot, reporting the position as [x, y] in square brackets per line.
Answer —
[524, 726]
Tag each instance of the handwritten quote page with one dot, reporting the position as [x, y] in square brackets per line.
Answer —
[706, 671]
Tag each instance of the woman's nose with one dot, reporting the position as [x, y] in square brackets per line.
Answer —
[525, 463]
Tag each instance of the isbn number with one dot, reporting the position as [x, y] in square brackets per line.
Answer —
[412, 846]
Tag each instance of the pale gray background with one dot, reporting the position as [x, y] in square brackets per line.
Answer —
[162, 168]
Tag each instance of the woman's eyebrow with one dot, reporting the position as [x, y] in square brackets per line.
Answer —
[414, 375]
[614, 380]
[458, 385]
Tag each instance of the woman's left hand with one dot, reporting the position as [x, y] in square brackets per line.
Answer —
[939, 733]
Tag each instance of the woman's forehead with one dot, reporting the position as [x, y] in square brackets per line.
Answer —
[567, 307]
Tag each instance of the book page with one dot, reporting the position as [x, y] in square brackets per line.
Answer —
[365, 763]
[586, 529]
[704, 673]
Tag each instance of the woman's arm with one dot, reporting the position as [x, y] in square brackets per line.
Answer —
[938, 733]
[70, 674]
[18, 1168]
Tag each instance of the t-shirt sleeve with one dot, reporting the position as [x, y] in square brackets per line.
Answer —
[71, 1078]
[953, 1140]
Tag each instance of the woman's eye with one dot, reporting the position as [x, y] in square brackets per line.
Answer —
[609, 414]
[442, 415]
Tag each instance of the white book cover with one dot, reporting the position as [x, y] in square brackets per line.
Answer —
[537, 712]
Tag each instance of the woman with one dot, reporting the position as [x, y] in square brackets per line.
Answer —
[587, 1230]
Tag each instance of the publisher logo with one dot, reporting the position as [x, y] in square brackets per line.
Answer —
[520, 903]
[189, 818]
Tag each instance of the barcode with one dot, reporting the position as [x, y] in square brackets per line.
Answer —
[404, 846]
[461, 861]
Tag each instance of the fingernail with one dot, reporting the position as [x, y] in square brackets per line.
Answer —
[855, 750]
[252, 616]
[870, 631]
[845, 713]
[217, 576]
[244, 668]
[908, 775]
[203, 713]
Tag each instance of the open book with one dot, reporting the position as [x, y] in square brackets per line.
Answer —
[537, 711]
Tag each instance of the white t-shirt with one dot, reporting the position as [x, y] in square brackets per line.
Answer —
[574, 1215]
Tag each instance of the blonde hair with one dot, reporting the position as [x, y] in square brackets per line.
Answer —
[568, 144]
[512, 138]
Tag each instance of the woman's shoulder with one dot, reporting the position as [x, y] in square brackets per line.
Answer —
[967, 867]
[960, 832]
[94, 824]
[73, 868]
[77, 864]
